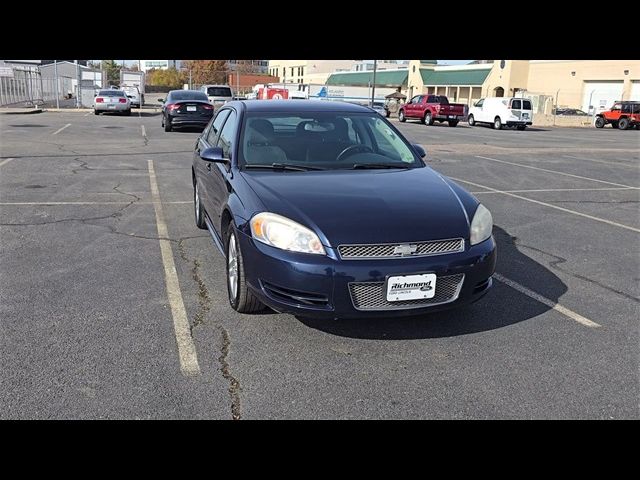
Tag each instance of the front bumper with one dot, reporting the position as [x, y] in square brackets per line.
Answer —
[322, 286]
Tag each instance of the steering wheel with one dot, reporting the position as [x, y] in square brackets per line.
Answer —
[352, 150]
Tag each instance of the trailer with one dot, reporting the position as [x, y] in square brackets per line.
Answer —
[133, 79]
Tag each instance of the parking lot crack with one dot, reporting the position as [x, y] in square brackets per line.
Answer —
[204, 301]
[557, 261]
[234, 385]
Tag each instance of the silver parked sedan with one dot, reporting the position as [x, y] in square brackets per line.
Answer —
[111, 101]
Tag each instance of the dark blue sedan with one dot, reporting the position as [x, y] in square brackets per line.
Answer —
[325, 209]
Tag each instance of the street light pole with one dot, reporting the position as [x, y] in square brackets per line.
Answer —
[373, 87]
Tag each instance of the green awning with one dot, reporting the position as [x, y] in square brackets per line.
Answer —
[384, 78]
[453, 77]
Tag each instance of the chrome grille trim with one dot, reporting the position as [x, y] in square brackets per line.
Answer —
[372, 295]
[385, 250]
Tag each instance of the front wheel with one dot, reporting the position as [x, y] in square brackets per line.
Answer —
[401, 116]
[240, 297]
[599, 123]
[497, 123]
[471, 121]
[623, 123]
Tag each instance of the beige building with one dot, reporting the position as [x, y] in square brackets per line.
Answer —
[589, 85]
[308, 71]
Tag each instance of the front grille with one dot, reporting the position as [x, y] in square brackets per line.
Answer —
[386, 250]
[372, 295]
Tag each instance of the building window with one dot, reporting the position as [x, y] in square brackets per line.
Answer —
[292, 71]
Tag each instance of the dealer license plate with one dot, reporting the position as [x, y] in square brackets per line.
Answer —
[411, 287]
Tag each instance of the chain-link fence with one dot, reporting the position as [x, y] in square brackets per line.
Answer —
[20, 86]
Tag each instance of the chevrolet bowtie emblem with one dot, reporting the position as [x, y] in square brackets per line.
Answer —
[405, 250]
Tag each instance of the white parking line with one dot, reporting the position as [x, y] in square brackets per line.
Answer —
[550, 303]
[561, 190]
[186, 347]
[617, 164]
[5, 161]
[61, 129]
[555, 171]
[144, 132]
[597, 219]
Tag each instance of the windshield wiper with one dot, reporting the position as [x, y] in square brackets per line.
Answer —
[379, 165]
[285, 166]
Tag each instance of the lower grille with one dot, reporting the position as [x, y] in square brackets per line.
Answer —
[372, 295]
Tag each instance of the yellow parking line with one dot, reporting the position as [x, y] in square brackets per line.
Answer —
[186, 347]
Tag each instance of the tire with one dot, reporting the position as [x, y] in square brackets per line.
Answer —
[167, 124]
[198, 208]
[96, 112]
[241, 299]
[453, 123]
[428, 118]
[497, 123]
[127, 112]
[623, 123]
[471, 121]
[599, 123]
[401, 116]
[614, 124]
[521, 127]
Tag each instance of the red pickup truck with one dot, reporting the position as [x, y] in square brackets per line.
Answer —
[430, 108]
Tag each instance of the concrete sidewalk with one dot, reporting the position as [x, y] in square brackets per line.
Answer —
[18, 111]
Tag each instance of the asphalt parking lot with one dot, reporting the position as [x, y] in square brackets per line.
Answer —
[94, 211]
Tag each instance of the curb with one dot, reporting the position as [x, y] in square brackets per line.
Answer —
[21, 111]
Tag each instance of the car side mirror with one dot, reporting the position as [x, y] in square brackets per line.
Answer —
[419, 150]
[213, 154]
[161, 100]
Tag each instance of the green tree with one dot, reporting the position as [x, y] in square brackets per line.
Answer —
[112, 70]
[168, 78]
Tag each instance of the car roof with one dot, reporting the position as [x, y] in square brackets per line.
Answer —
[299, 106]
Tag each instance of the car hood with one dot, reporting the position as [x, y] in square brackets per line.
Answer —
[364, 206]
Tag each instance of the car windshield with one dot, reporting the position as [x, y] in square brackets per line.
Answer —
[111, 93]
[186, 95]
[219, 91]
[326, 141]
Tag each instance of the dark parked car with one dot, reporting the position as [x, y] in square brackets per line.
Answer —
[325, 209]
[185, 108]
[569, 112]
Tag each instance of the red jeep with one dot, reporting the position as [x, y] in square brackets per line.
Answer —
[428, 108]
[622, 115]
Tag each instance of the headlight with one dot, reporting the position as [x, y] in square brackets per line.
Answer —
[481, 225]
[280, 232]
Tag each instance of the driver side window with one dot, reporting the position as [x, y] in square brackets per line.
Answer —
[479, 103]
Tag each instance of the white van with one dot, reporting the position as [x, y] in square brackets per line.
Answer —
[218, 94]
[501, 111]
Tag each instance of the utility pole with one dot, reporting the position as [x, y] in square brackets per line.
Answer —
[78, 80]
[55, 69]
[373, 88]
